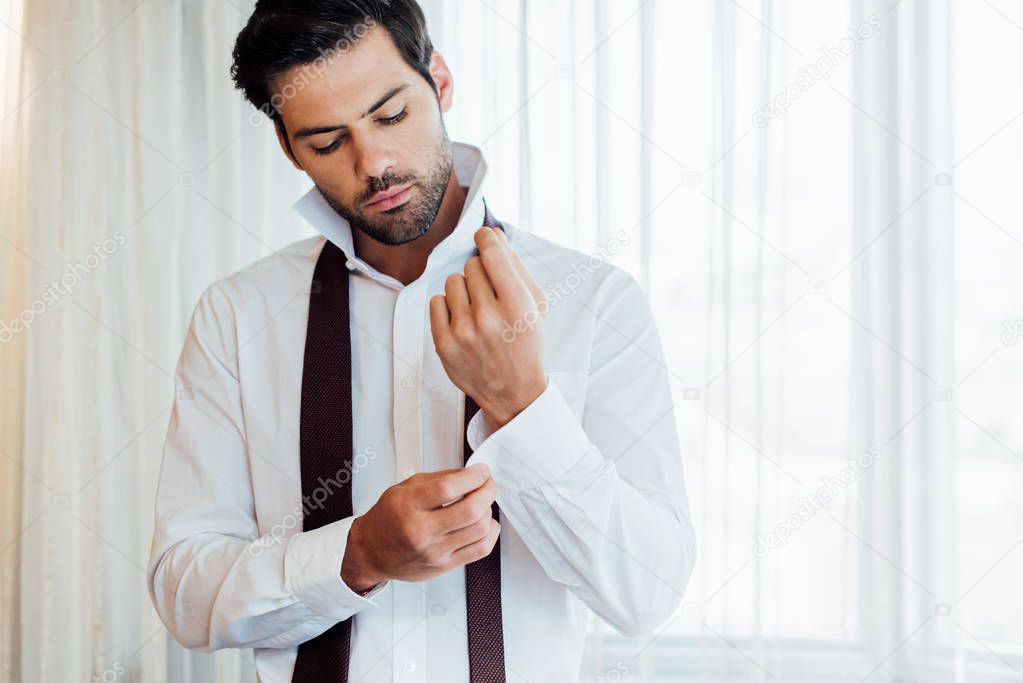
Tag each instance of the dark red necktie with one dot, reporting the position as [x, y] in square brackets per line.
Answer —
[326, 445]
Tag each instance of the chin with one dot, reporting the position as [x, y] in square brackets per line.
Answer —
[395, 232]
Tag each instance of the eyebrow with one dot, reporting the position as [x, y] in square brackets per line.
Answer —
[305, 132]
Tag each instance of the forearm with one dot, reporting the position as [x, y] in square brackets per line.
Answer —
[623, 544]
[215, 590]
[626, 553]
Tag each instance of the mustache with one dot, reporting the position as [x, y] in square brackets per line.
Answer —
[383, 183]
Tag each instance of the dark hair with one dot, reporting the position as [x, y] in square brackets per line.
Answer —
[282, 34]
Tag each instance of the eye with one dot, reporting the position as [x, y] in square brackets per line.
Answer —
[391, 121]
[397, 118]
[329, 148]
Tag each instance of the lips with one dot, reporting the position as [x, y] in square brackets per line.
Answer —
[391, 198]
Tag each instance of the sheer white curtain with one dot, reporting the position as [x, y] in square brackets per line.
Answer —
[822, 200]
[141, 178]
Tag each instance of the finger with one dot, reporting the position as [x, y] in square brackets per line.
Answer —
[496, 258]
[481, 290]
[473, 507]
[523, 272]
[440, 317]
[448, 486]
[458, 297]
[467, 535]
[479, 549]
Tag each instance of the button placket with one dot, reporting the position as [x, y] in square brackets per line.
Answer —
[409, 633]
[408, 420]
[409, 599]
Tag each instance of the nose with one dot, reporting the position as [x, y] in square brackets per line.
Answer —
[373, 157]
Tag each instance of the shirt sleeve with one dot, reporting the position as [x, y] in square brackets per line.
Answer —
[213, 580]
[600, 501]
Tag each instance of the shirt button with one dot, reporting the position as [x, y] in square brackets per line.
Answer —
[408, 381]
[349, 264]
[438, 609]
[410, 665]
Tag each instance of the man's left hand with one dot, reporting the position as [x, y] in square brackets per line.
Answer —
[487, 327]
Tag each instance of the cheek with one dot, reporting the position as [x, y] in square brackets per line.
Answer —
[421, 148]
[333, 175]
[421, 133]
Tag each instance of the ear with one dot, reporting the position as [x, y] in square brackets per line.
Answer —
[282, 138]
[443, 81]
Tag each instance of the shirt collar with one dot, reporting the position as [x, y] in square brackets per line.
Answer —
[470, 169]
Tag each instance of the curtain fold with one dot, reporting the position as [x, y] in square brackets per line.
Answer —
[136, 168]
[904, 327]
[13, 264]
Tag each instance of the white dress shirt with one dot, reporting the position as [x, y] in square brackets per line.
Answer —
[593, 506]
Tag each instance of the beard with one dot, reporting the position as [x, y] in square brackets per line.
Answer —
[415, 217]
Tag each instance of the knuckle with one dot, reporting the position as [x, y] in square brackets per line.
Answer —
[488, 323]
[491, 250]
[435, 559]
[481, 509]
[494, 385]
[487, 544]
[524, 302]
[446, 346]
[445, 490]
[414, 535]
[461, 517]
[473, 553]
[464, 330]
[479, 529]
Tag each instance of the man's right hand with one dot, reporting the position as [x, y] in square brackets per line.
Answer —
[425, 526]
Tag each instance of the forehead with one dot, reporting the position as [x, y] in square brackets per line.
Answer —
[339, 88]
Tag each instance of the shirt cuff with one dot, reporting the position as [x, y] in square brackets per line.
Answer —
[535, 448]
[312, 565]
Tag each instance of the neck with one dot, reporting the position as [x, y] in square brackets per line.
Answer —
[406, 262]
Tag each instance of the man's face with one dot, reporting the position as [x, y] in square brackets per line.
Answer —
[370, 134]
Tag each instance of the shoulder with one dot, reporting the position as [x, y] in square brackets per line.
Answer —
[593, 278]
[271, 281]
